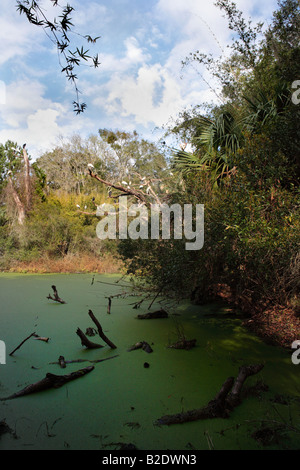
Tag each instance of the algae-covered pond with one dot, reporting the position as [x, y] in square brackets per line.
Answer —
[119, 401]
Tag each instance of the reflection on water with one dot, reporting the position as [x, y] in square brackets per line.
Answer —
[119, 401]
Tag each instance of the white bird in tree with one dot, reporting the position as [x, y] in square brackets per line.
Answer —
[90, 166]
[77, 205]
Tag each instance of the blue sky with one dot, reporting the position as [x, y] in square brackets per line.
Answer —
[140, 84]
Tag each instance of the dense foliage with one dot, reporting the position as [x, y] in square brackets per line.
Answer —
[245, 169]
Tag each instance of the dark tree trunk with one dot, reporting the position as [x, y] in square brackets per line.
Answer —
[228, 398]
[100, 331]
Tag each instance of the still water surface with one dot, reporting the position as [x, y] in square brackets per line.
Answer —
[119, 401]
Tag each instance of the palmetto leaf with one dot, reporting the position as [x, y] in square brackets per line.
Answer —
[215, 141]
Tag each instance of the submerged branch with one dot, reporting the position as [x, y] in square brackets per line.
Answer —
[50, 381]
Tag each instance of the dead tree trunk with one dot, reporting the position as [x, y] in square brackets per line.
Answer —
[228, 398]
[234, 398]
[19, 205]
[50, 381]
[100, 331]
[27, 178]
[56, 297]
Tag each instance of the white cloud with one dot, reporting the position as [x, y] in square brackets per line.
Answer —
[150, 97]
[27, 116]
[16, 35]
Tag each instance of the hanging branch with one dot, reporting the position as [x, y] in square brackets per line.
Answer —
[58, 31]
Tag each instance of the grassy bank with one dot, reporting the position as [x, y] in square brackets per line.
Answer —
[107, 264]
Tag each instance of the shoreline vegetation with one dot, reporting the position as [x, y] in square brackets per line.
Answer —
[70, 264]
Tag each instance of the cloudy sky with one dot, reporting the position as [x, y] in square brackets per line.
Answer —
[140, 83]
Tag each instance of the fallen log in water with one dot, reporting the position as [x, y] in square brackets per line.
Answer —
[50, 381]
[141, 345]
[56, 297]
[157, 314]
[228, 398]
[61, 360]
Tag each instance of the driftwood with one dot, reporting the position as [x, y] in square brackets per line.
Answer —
[141, 345]
[21, 344]
[86, 342]
[76, 361]
[228, 398]
[184, 344]
[50, 381]
[100, 331]
[158, 314]
[41, 338]
[56, 297]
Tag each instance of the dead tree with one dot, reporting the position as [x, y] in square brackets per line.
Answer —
[18, 203]
[220, 407]
[100, 331]
[56, 297]
[22, 206]
[27, 179]
[50, 381]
